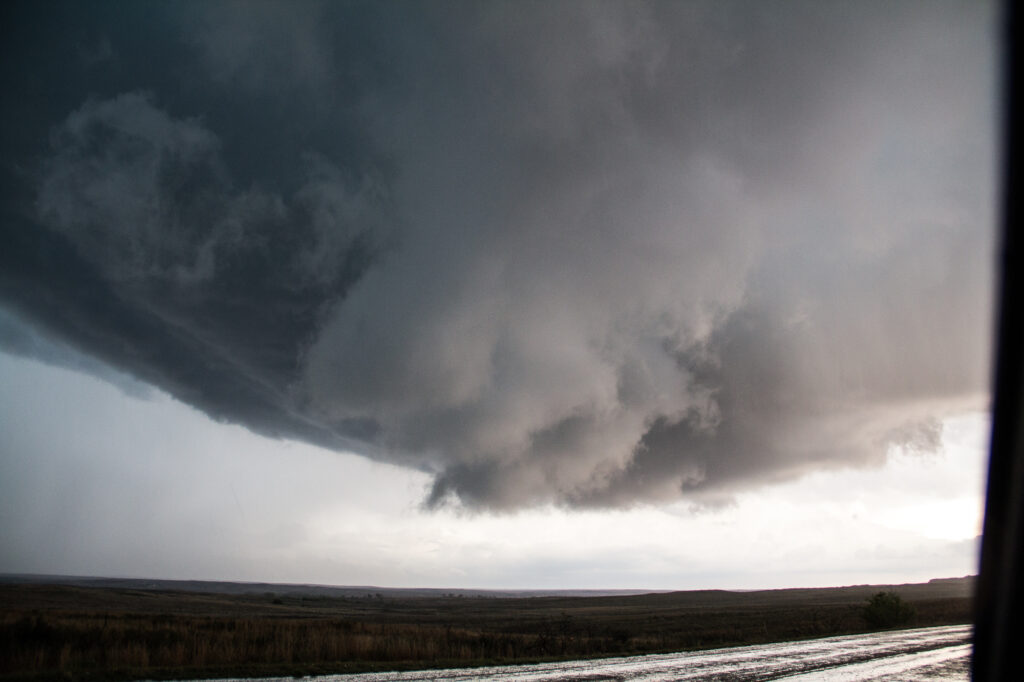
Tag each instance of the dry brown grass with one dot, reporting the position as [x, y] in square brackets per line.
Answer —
[76, 633]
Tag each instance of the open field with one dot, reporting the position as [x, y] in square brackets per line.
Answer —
[49, 630]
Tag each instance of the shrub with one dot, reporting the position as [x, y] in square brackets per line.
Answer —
[886, 610]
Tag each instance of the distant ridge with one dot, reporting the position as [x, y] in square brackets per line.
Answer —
[968, 578]
[949, 586]
[296, 589]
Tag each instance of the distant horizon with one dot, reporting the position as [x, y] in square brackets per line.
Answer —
[563, 590]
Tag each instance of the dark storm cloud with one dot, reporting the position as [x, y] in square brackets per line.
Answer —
[582, 253]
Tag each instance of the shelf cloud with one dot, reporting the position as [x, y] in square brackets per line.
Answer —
[589, 254]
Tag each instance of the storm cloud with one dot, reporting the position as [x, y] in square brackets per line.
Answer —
[588, 254]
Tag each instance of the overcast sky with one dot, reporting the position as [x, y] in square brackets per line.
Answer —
[496, 294]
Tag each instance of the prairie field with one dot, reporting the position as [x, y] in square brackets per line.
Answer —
[73, 632]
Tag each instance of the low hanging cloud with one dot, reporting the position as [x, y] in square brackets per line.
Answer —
[590, 254]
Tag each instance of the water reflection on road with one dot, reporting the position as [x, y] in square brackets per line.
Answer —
[940, 653]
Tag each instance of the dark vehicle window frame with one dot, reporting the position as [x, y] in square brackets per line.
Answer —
[998, 597]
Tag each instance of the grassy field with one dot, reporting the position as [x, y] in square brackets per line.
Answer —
[56, 631]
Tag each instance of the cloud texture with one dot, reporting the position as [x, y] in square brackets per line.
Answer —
[589, 254]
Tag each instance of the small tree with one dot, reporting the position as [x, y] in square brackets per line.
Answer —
[886, 610]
